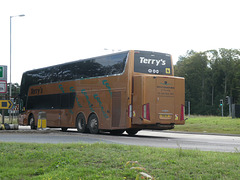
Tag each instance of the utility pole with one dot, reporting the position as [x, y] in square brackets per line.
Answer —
[10, 85]
[188, 109]
[229, 101]
[3, 97]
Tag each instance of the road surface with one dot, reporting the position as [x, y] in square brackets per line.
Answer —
[166, 139]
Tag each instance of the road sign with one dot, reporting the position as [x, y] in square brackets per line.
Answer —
[6, 104]
[3, 86]
[3, 72]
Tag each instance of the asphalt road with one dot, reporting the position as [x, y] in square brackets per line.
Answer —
[167, 139]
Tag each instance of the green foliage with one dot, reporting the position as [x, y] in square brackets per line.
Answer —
[15, 91]
[111, 161]
[210, 76]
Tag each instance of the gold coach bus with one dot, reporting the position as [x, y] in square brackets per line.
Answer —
[126, 91]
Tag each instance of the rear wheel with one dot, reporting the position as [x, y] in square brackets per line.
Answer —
[81, 123]
[93, 124]
[132, 132]
[32, 122]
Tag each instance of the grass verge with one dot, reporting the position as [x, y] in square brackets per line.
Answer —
[104, 161]
[210, 124]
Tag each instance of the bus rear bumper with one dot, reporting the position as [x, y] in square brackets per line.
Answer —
[157, 126]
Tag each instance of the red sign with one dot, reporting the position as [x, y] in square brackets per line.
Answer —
[3, 86]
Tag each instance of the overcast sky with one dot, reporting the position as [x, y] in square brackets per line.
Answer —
[58, 31]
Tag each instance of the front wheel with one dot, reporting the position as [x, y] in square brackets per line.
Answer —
[132, 132]
[81, 123]
[93, 124]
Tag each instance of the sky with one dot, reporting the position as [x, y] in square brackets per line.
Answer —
[58, 31]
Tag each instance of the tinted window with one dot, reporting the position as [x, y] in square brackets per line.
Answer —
[94, 67]
[67, 100]
[89, 68]
[152, 63]
[51, 101]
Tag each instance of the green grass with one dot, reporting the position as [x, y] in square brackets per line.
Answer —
[210, 124]
[104, 161]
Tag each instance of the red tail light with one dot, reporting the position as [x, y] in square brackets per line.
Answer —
[146, 111]
[182, 112]
[130, 112]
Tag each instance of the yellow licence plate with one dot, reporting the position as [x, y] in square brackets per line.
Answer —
[165, 116]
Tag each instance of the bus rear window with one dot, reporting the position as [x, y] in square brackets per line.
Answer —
[152, 63]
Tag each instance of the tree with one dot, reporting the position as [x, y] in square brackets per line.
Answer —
[15, 90]
[194, 67]
[210, 76]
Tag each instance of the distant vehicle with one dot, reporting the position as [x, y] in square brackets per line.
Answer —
[126, 91]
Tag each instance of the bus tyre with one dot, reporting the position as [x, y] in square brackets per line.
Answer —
[132, 132]
[32, 122]
[93, 124]
[81, 123]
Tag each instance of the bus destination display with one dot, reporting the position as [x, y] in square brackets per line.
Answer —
[152, 63]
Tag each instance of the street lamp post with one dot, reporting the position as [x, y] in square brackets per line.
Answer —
[113, 50]
[10, 90]
[21, 15]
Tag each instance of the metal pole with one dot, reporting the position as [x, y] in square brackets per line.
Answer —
[233, 111]
[10, 85]
[3, 111]
[10, 93]
[222, 110]
[10, 88]
[230, 106]
[188, 109]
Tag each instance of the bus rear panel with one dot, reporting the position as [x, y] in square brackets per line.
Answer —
[158, 96]
[158, 102]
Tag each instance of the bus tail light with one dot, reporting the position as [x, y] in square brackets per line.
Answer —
[182, 112]
[130, 111]
[146, 111]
